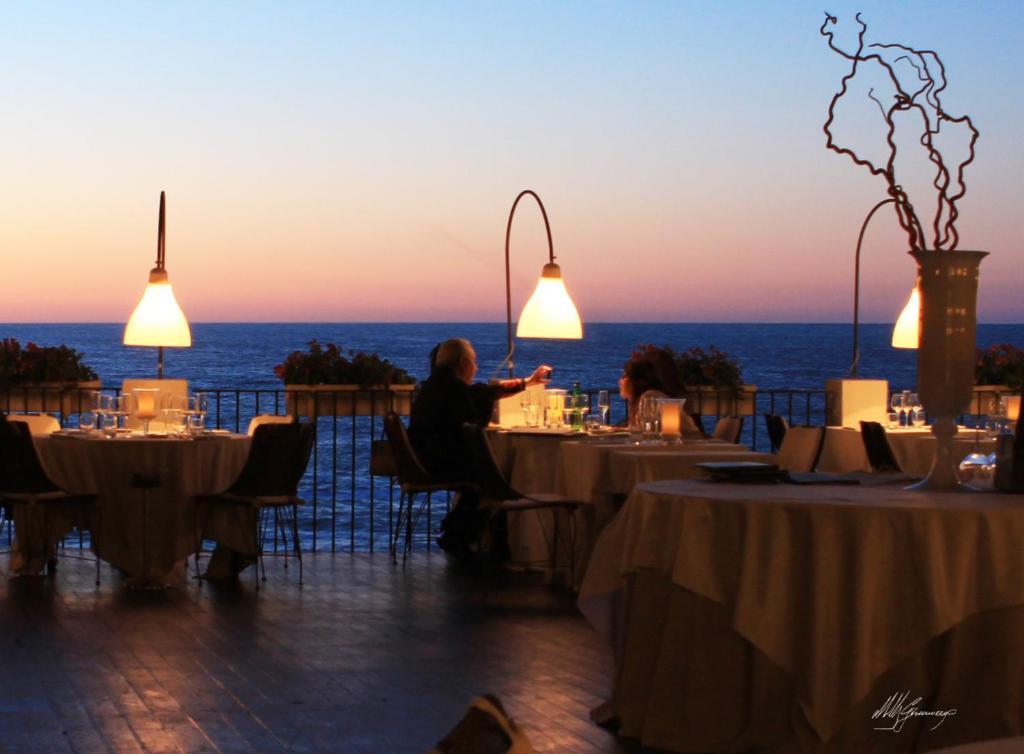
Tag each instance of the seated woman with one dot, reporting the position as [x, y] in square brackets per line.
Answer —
[651, 373]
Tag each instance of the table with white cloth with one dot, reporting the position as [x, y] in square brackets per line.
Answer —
[782, 617]
[843, 448]
[146, 520]
[596, 470]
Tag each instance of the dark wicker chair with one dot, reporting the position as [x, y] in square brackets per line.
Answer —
[777, 426]
[269, 482]
[876, 445]
[24, 483]
[413, 479]
[499, 496]
[728, 429]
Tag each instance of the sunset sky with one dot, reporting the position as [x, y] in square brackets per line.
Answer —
[357, 161]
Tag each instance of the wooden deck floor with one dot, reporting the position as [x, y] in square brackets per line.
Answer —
[368, 657]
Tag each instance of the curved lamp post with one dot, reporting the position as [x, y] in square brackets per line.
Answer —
[158, 319]
[906, 332]
[550, 311]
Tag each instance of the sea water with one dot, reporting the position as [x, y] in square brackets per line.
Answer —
[348, 510]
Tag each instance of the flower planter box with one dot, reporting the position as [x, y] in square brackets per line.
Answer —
[720, 401]
[983, 398]
[347, 400]
[47, 397]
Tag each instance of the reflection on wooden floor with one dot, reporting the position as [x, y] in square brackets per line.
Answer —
[367, 657]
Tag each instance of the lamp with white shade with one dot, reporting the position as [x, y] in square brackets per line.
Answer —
[853, 400]
[907, 332]
[158, 320]
[550, 311]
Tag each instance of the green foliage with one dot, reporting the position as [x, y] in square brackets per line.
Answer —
[33, 364]
[329, 366]
[695, 366]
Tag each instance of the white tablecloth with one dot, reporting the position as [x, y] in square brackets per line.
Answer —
[144, 532]
[843, 449]
[833, 585]
[596, 471]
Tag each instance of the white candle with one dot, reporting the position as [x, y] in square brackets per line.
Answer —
[671, 418]
[145, 403]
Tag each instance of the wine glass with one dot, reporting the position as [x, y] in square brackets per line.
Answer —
[124, 406]
[603, 405]
[896, 403]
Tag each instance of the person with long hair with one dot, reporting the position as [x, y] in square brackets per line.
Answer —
[651, 373]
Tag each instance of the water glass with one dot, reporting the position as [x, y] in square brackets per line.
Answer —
[649, 413]
[894, 419]
[108, 423]
[196, 423]
[556, 402]
[603, 405]
[591, 423]
[87, 421]
[202, 408]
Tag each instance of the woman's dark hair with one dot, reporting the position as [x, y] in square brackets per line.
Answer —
[652, 368]
[433, 358]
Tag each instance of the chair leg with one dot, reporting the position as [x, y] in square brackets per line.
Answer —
[261, 530]
[394, 534]
[408, 530]
[280, 524]
[295, 540]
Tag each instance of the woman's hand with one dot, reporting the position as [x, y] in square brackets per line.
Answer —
[540, 375]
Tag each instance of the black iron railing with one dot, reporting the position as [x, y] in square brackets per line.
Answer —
[351, 509]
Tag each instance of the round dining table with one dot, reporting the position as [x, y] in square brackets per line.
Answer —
[598, 470]
[913, 448]
[788, 617]
[147, 520]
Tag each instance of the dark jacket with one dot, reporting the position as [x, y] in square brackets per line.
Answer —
[444, 403]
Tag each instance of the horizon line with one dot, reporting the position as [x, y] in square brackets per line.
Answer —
[478, 322]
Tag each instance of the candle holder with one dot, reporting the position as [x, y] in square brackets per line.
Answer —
[146, 399]
[671, 412]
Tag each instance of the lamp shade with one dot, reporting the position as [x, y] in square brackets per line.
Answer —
[907, 331]
[550, 312]
[158, 319]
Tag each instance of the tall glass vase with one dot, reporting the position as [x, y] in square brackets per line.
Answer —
[945, 357]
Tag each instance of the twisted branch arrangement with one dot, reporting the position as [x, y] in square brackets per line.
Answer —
[926, 79]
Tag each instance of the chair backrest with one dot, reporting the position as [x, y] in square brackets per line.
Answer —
[877, 447]
[493, 484]
[800, 449]
[166, 387]
[777, 426]
[271, 468]
[303, 451]
[408, 467]
[728, 428]
[693, 427]
[260, 419]
[20, 470]
[38, 424]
